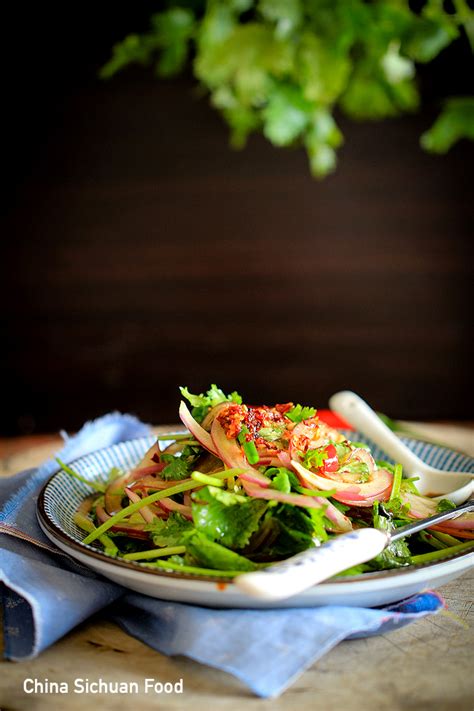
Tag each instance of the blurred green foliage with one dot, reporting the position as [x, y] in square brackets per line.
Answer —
[283, 66]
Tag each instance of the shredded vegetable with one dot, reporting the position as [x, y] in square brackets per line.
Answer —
[251, 485]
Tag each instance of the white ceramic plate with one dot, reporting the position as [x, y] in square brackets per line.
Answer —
[62, 494]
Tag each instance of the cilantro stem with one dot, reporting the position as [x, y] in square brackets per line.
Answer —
[93, 484]
[206, 479]
[192, 569]
[397, 481]
[313, 492]
[86, 524]
[120, 515]
[176, 436]
[223, 474]
[155, 553]
[446, 538]
[438, 555]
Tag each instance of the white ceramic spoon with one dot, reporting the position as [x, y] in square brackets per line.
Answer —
[454, 485]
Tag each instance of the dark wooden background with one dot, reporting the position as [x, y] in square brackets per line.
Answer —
[141, 253]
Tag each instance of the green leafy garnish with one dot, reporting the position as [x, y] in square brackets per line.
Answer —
[176, 468]
[397, 482]
[314, 458]
[397, 553]
[228, 518]
[282, 481]
[210, 554]
[180, 467]
[98, 486]
[204, 402]
[298, 413]
[170, 532]
[284, 67]
[444, 505]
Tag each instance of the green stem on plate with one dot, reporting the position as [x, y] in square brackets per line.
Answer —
[397, 481]
[93, 484]
[313, 492]
[206, 479]
[155, 553]
[439, 555]
[128, 510]
[86, 524]
[166, 565]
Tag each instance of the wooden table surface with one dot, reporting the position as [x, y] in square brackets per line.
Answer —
[427, 665]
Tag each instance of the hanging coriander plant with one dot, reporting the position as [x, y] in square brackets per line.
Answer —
[282, 66]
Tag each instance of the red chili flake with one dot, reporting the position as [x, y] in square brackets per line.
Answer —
[231, 419]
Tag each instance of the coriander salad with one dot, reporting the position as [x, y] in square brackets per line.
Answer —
[247, 486]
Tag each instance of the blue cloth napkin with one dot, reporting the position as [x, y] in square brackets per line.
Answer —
[46, 594]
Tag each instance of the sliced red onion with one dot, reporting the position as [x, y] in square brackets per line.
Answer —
[458, 532]
[284, 458]
[233, 456]
[168, 504]
[155, 484]
[151, 456]
[101, 514]
[258, 492]
[255, 477]
[423, 507]
[203, 437]
[144, 511]
[114, 493]
[378, 489]
[308, 430]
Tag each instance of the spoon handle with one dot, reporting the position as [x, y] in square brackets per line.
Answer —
[364, 419]
[313, 565]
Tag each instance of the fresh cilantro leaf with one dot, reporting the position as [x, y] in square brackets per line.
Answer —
[204, 402]
[228, 518]
[444, 505]
[298, 413]
[320, 523]
[173, 531]
[456, 121]
[409, 486]
[397, 553]
[291, 531]
[282, 481]
[273, 472]
[180, 467]
[286, 114]
[210, 554]
[176, 468]
[314, 458]
[283, 67]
